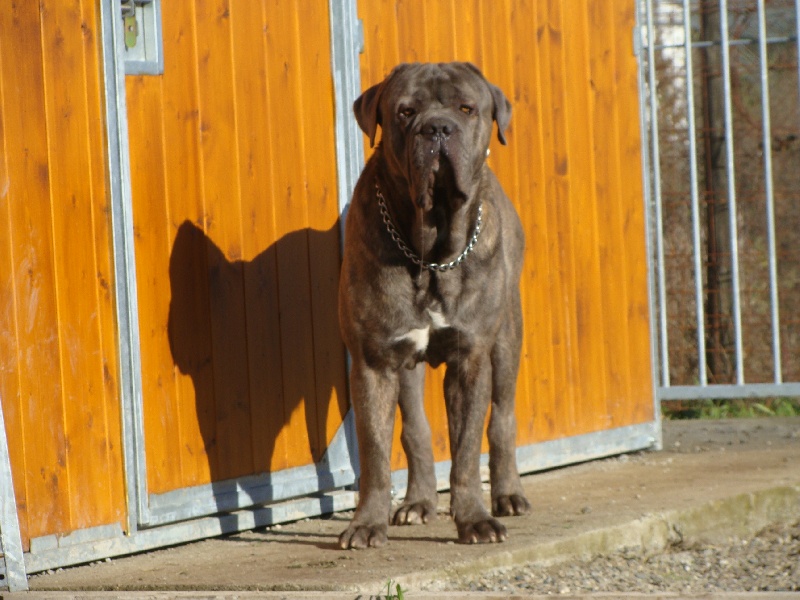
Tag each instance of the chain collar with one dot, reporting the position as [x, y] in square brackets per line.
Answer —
[409, 253]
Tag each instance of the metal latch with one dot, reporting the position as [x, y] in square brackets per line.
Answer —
[141, 35]
[130, 24]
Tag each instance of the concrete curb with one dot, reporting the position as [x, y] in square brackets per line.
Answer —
[356, 596]
[740, 516]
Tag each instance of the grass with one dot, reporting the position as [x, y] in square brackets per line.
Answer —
[746, 408]
[397, 595]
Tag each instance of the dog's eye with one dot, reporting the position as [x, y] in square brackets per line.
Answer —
[467, 109]
[406, 113]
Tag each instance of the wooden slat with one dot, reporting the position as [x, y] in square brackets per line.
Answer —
[60, 381]
[219, 167]
[151, 240]
[38, 369]
[10, 383]
[589, 307]
[499, 64]
[324, 241]
[558, 213]
[110, 445]
[536, 417]
[290, 203]
[610, 192]
[189, 355]
[71, 196]
[640, 398]
[256, 131]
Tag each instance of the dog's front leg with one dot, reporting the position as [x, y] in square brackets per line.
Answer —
[374, 394]
[419, 505]
[467, 391]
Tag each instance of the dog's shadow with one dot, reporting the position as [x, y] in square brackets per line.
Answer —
[260, 341]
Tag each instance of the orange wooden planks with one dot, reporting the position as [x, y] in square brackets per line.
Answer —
[609, 192]
[251, 254]
[63, 398]
[256, 130]
[223, 214]
[640, 404]
[588, 273]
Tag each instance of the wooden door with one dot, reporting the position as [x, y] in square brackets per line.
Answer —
[59, 380]
[237, 242]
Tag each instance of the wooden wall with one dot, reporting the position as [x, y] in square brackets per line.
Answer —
[237, 235]
[573, 168]
[237, 242]
[58, 350]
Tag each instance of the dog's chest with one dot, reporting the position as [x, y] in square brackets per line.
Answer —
[420, 336]
[432, 339]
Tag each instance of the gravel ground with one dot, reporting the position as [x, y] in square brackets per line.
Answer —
[768, 562]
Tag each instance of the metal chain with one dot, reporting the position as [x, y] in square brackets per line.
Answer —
[409, 254]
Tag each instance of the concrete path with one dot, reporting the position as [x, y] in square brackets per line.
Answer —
[712, 481]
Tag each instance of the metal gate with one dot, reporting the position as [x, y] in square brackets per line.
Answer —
[721, 107]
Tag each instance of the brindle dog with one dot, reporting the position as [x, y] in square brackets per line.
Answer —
[432, 261]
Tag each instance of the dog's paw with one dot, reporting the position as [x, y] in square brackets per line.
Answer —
[415, 513]
[487, 531]
[510, 506]
[357, 537]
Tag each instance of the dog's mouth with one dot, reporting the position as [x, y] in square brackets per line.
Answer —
[435, 179]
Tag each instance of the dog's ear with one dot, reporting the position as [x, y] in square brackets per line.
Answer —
[502, 111]
[367, 109]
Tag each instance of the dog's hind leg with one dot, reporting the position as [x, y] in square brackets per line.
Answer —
[420, 502]
[507, 496]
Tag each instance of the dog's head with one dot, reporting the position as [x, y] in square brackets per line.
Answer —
[436, 121]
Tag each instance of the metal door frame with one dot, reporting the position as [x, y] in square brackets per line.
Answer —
[665, 389]
[12, 564]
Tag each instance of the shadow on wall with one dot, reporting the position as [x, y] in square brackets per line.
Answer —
[260, 341]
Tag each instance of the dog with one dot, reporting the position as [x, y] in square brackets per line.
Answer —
[432, 260]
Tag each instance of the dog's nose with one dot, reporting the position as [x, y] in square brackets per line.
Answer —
[438, 128]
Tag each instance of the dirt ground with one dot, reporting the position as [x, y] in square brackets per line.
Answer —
[714, 480]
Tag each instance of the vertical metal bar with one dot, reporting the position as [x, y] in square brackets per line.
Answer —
[657, 200]
[648, 222]
[797, 39]
[766, 127]
[696, 241]
[124, 262]
[731, 177]
[10, 542]
[346, 43]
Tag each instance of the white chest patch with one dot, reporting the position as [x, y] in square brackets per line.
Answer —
[418, 337]
[437, 319]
